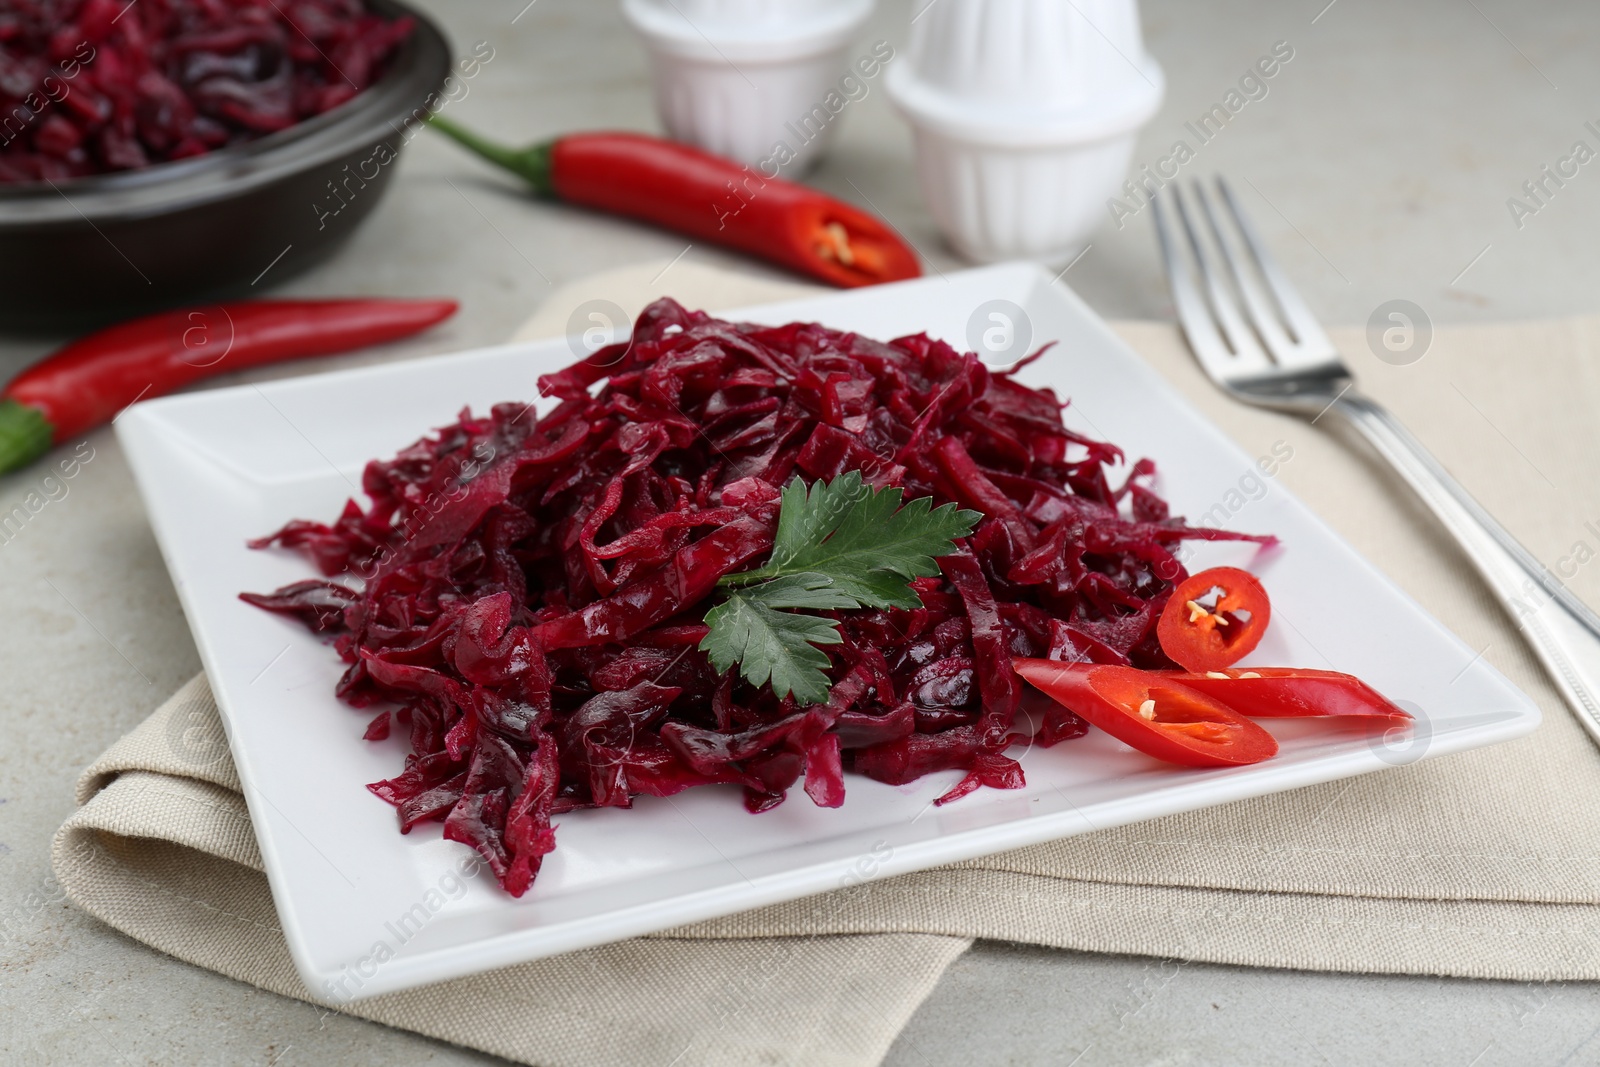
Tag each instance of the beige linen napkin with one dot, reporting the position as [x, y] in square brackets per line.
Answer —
[162, 849]
[1480, 864]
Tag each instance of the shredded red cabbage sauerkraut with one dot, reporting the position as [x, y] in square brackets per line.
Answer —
[530, 591]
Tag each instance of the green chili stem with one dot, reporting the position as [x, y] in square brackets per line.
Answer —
[531, 164]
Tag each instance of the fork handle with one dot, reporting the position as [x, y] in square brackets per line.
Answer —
[1562, 631]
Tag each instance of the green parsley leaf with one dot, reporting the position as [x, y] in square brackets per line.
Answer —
[770, 645]
[839, 546]
[861, 538]
[809, 591]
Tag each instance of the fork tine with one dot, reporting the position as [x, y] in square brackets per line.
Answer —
[1262, 312]
[1247, 354]
[1314, 343]
[1198, 325]
[1196, 321]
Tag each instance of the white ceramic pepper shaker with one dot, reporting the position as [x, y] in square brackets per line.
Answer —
[742, 77]
[1025, 114]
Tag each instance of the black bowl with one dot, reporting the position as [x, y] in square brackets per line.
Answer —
[91, 250]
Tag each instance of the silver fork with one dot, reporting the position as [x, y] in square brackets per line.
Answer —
[1257, 340]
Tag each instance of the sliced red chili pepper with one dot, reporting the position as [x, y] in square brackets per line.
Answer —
[1214, 619]
[1152, 712]
[709, 198]
[89, 381]
[1279, 692]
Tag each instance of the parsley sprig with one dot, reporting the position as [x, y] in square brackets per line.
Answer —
[840, 545]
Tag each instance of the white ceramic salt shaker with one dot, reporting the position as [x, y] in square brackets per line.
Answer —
[751, 79]
[1025, 114]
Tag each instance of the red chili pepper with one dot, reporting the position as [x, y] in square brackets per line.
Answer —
[1281, 692]
[1214, 619]
[709, 198]
[1153, 713]
[89, 381]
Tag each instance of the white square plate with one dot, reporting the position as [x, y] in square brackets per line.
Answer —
[368, 911]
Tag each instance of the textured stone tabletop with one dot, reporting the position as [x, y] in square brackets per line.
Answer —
[1381, 164]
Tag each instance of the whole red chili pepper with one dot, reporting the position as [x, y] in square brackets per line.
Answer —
[708, 198]
[89, 381]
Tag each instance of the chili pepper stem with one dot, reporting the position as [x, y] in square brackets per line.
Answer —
[532, 164]
[25, 434]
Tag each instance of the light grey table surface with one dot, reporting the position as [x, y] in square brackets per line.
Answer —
[1379, 166]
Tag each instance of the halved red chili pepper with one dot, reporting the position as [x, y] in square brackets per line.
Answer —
[89, 381]
[1279, 692]
[1214, 619]
[709, 198]
[1151, 712]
